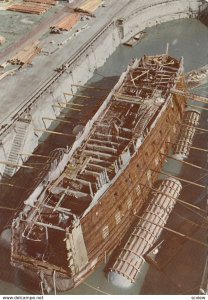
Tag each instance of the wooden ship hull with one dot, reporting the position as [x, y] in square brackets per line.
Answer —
[76, 218]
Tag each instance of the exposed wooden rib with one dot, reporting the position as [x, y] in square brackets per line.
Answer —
[84, 182]
[93, 173]
[104, 141]
[96, 166]
[113, 136]
[128, 99]
[101, 147]
[87, 160]
[100, 160]
[99, 153]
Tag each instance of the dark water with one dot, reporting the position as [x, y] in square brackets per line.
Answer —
[187, 38]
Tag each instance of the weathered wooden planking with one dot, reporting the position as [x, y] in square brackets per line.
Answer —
[26, 55]
[89, 6]
[29, 8]
[66, 23]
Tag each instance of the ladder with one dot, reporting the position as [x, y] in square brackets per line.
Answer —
[17, 145]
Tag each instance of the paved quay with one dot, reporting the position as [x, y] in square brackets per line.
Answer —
[16, 90]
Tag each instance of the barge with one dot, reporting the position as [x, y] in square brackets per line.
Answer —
[94, 191]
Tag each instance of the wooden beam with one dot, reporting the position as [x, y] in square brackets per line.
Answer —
[110, 135]
[198, 107]
[175, 232]
[86, 161]
[61, 209]
[126, 100]
[89, 172]
[97, 166]
[13, 185]
[48, 225]
[191, 147]
[7, 208]
[65, 106]
[61, 199]
[101, 147]
[74, 192]
[75, 104]
[74, 95]
[177, 200]
[53, 132]
[180, 179]
[98, 153]
[191, 96]
[57, 120]
[16, 165]
[90, 87]
[132, 80]
[54, 281]
[191, 126]
[35, 155]
[103, 141]
[99, 160]
[145, 72]
[184, 162]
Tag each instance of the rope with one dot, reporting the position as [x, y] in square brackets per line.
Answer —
[94, 288]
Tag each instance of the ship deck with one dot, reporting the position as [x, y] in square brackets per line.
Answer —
[126, 117]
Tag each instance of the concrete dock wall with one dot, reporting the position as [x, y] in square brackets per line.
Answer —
[140, 14]
[153, 12]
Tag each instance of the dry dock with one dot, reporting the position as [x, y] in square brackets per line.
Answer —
[27, 95]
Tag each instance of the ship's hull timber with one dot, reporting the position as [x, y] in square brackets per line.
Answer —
[77, 220]
[133, 184]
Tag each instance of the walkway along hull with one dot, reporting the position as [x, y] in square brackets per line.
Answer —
[89, 199]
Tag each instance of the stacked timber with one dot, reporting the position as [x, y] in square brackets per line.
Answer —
[190, 121]
[89, 6]
[2, 39]
[26, 55]
[127, 266]
[66, 23]
[30, 8]
[48, 2]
